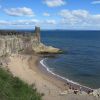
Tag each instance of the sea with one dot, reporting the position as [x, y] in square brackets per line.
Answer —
[80, 61]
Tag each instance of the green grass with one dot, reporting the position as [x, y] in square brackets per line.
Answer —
[12, 88]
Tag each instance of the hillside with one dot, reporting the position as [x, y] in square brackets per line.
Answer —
[12, 88]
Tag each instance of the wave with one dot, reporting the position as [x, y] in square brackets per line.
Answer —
[61, 77]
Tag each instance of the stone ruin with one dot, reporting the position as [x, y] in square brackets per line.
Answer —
[37, 34]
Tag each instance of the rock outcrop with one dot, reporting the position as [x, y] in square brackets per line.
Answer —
[96, 93]
[39, 47]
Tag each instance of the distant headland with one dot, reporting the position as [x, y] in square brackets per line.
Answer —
[15, 42]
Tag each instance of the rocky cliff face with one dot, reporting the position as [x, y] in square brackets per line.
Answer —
[9, 44]
[15, 43]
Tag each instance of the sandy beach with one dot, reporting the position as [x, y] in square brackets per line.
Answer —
[27, 69]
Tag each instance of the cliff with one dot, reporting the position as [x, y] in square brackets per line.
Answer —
[15, 43]
[10, 45]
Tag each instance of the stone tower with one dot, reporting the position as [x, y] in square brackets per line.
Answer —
[37, 34]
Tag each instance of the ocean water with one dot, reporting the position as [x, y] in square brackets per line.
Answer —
[81, 59]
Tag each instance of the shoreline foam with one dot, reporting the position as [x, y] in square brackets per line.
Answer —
[83, 88]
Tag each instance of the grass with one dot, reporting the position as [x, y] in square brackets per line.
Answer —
[12, 88]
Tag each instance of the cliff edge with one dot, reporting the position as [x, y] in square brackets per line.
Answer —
[20, 42]
[39, 47]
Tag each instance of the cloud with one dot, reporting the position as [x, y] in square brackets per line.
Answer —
[66, 19]
[96, 2]
[24, 11]
[26, 22]
[52, 22]
[54, 3]
[79, 18]
[74, 13]
[19, 22]
[46, 14]
[4, 22]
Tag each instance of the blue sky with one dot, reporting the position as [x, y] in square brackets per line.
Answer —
[50, 14]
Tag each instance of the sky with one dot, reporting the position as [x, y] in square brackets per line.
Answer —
[50, 14]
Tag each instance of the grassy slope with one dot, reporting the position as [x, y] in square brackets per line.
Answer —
[12, 88]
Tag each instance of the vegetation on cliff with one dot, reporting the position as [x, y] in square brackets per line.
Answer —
[12, 88]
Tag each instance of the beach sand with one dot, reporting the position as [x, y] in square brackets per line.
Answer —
[26, 68]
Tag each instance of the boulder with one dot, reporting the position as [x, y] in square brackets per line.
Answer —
[96, 93]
